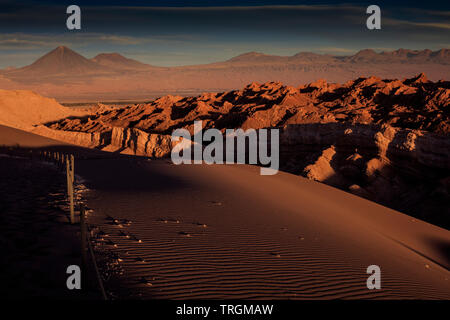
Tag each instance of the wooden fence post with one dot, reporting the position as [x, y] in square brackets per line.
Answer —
[83, 235]
[70, 190]
[72, 167]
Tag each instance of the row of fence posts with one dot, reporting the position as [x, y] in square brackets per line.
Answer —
[70, 173]
[67, 161]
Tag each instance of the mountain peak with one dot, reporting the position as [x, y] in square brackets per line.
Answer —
[248, 56]
[366, 53]
[117, 60]
[62, 60]
[112, 55]
[252, 54]
[62, 49]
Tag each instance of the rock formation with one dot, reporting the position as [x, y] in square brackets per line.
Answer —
[385, 140]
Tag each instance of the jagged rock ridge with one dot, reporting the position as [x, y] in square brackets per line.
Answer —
[386, 140]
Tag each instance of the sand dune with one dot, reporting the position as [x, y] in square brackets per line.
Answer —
[227, 232]
[37, 242]
[224, 231]
[14, 137]
[23, 109]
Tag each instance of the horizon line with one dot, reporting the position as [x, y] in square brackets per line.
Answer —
[356, 51]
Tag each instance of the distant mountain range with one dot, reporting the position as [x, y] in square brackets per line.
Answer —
[117, 61]
[66, 62]
[67, 75]
[367, 55]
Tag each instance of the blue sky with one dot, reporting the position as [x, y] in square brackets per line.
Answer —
[178, 33]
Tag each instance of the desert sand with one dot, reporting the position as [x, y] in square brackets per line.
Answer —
[23, 109]
[224, 231]
[178, 233]
[13, 137]
[38, 243]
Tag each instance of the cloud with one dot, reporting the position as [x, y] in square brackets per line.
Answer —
[174, 36]
[22, 41]
[13, 41]
[432, 25]
[241, 8]
[398, 22]
[123, 40]
[17, 42]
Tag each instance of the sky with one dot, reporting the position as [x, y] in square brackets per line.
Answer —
[173, 32]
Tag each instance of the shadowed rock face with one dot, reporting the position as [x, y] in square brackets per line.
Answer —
[404, 169]
[386, 140]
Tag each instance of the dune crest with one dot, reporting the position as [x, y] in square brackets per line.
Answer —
[23, 109]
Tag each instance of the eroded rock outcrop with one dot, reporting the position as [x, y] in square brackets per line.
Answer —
[125, 140]
[412, 103]
[385, 140]
[401, 168]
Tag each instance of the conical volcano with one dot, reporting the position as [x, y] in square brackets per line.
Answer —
[61, 60]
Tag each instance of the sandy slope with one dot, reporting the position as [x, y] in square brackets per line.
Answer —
[38, 243]
[16, 137]
[23, 108]
[227, 232]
